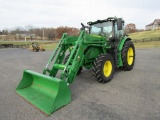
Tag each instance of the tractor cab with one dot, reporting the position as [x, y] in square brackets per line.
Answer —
[111, 28]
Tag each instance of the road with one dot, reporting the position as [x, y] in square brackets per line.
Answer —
[131, 95]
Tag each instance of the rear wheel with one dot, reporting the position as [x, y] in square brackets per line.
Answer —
[103, 68]
[128, 56]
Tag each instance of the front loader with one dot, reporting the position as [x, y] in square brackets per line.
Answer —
[102, 47]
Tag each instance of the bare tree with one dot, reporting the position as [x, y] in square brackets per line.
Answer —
[130, 28]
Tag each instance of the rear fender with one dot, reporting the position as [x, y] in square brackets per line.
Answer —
[120, 47]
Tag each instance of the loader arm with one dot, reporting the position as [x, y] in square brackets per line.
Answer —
[75, 60]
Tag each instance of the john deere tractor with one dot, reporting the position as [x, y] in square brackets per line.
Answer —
[100, 46]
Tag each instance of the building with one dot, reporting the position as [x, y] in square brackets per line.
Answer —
[154, 26]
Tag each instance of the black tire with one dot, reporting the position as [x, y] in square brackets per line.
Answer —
[128, 56]
[79, 71]
[66, 59]
[101, 72]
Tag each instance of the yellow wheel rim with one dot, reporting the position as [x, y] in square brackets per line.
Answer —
[107, 69]
[130, 56]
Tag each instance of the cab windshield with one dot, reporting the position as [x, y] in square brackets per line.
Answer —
[104, 29]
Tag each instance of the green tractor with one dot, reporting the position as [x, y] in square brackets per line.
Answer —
[101, 46]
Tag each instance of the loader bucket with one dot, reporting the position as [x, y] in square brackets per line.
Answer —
[45, 92]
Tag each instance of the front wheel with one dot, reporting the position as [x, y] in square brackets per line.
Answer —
[103, 68]
[65, 61]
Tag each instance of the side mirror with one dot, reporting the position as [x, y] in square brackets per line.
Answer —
[119, 23]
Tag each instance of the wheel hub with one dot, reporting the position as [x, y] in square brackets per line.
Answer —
[130, 56]
[107, 69]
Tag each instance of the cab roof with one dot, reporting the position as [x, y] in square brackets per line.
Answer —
[105, 20]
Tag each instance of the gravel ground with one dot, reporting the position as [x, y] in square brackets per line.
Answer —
[131, 95]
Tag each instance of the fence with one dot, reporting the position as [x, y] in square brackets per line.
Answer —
[20, 38]
[14, 46]
[146, 40]
[5, 45]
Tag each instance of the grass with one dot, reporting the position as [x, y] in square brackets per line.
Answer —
[51, 46]
[152, 44]
[144, 34]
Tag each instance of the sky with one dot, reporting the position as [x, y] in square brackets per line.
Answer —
[55, 13]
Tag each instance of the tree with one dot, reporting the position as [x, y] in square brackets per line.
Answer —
[130, 28]
[5, 32]
[36, 33]
[68, 30]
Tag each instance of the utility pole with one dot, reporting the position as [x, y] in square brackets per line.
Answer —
[43, 33]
